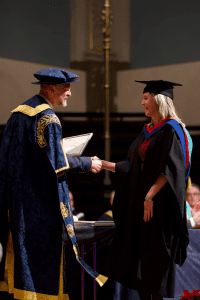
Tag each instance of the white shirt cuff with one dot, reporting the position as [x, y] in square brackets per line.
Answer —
[192, 222]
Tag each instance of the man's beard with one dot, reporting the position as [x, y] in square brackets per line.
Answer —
[64, 103]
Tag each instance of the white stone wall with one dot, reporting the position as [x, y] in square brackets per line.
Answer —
[15, 86]
[186, 98]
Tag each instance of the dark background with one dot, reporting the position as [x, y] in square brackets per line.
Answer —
[36, 31]
[162, 32]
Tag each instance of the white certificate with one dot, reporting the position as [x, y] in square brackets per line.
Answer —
[75, 145]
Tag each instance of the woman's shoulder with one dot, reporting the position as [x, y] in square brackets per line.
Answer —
[173, 126]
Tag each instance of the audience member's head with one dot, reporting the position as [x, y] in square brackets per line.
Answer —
[193, 195]
[112, 195]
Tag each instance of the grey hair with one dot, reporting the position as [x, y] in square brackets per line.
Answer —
[166, 108]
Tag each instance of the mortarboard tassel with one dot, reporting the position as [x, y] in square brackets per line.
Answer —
[189, 183]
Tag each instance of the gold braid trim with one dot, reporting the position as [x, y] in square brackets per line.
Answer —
[8, 284]
[31, 111]
[3, 286]
[42, 124]
[76, 250]
[22, 294]
[70, 230]
[61, 172]
[67, 163]
[64, 210]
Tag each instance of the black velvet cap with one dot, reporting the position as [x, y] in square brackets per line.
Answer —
[54, 76]
[160, 87]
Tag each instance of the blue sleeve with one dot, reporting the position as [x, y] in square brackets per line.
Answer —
[49, 139]
[55, 149]
[49, 136]
[80, 164]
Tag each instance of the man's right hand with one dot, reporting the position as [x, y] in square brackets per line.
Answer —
[96, 165]
[107, 165]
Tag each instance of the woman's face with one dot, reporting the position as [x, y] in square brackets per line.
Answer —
[150, 106]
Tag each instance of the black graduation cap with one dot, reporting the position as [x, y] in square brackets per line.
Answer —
[160, 87]
[54, 76]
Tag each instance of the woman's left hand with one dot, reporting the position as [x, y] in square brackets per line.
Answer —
[148, 210]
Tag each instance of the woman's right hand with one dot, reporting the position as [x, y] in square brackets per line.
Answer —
[107, 165]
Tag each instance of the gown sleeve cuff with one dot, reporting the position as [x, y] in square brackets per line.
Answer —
[79, 164]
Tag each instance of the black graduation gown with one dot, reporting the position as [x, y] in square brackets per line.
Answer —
[147, 252]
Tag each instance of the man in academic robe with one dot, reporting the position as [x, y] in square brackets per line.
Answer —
[34, 196]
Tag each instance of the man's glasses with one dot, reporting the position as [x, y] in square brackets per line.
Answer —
[193, 194]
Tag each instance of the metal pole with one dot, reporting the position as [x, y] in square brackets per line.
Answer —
[106, 32]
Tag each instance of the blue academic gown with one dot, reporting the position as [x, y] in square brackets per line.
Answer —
[34, 201]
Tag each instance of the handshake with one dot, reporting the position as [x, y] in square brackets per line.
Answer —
[97, 165]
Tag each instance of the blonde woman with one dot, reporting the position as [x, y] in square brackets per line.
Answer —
[149, 204]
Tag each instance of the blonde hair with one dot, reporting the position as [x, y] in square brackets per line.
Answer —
[166, 108]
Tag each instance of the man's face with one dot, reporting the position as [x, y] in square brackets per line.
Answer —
[61, 94]
[193, 196]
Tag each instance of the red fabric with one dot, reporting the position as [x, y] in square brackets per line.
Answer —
[150, 130]
[143, 149]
